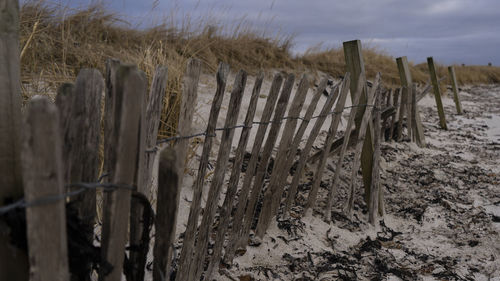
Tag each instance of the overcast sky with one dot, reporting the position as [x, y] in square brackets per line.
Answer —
[452, 31]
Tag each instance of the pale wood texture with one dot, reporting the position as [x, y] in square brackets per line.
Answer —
[194, 211]
[150, 119]
[225, 212]
[454, 86]
[437, 93]
[130, 82]
[197, 265]
[304, 154]
[360, 140]
[264, 161]
[43, 177]
[13, 262]
[272, 195]
[166, 214]
[373, 206]
[355, 65]
[345, 144]
[251, 166]
[332, 131]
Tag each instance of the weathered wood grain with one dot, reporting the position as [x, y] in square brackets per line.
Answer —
[225, 212]
[437, 93]
[43, 177]
[251, 166]
[304, 154]
[264, 161]
[194, 211]
[373, 206]
[65, 94]
[395, 104]
[131, 84]
[166, 213]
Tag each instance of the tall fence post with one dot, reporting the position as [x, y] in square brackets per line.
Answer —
[114, 231]
[376, 187]
[454, 86]
[194, 211]
[13, 262]
[43, 177]
[437, 93]
[356, 66]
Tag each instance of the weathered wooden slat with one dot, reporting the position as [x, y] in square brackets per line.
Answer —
[43, 177]
[373, 206]
[110, 101]
[194, 211]
[355, 65]
[272, 195]
[166, 214]
[454, 86]
[251, 166]
[406, 83]
[130, 82]
[395, 103]
[13, 262]
[360, 140]
[437, 93]
[332, 131]
[82, 148]
[225, 212]
[64, 102]
[197, 265]
[150, 119]
[266, 155]
[304, 154]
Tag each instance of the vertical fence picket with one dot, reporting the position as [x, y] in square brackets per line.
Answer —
[64, 101]
[43, 177]
[454, 86]
[251, 166]
[166, 214]
[194, 211]
[374, 200]
[266, 155]
[225, 213]
[197, 265]
[131, 83]
[272, 195]
[360, 140]
[437, 93]
[394, 119]
[304, 154]
[112, 99]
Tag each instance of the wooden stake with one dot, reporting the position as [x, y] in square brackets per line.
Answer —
[394, 118]
[166, 214]
[64, 102]
[437, 93]
[111, 101]
[194, 211]
[266, 155]
[114, 231]
[345, 144]
[356, 66]
[373, 207]
[43, 177]
[225, 212]
[251, 166]
[304, 154]
[218, 178]
[454, 85]
[360, 140]
[13, 262]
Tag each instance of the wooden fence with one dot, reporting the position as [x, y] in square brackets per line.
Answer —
[59, 156]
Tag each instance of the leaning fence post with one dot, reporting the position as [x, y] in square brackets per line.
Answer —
[456, 98]
[43, 178]
[166, 214]
[356, 66]
[272, 195]
[250, 170]
[13, 263]
[114, 230]
[437, 93]
[194, 211]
